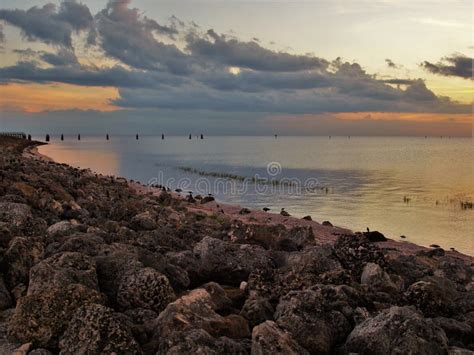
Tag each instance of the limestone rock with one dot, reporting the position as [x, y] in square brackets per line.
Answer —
[144, 288]
[96, 329]
[61, 270]
[397, 330]
[268, 338]
[42, 318]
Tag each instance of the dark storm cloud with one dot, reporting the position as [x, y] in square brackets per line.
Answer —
[251, 55]
[28, 71]
[455, 65]
[63, 56]
[49, 24]
[199, 97]
[129, 37]
[158, 74]
[398, 81]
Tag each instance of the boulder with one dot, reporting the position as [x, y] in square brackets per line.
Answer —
[458, 333]
[410, 268]
[88, 244]
[198, 341]
[17, 215]
[43, 317]
[434, 296]
[219, 298]
[194, 312]
[40, 351]
[110, 271]
[21, 255]
[354, 251]
[187, 261]
[96, 329]
[454, 350]
[61, 270]
[5, 297]
[229, 263]
[269, 338]
[455, 270]
[62, 229]
[376, 278]
[313, 325]
[257, 310]
[144, 221]
[144, 288]
[397, 330]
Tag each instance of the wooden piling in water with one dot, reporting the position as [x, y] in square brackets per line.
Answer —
[162, 136]
[190, 136]
[78, 137]
[136, 136]
[47, 138]
[107, 136]
[62, 137]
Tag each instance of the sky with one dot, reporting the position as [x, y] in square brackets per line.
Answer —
[340, 67]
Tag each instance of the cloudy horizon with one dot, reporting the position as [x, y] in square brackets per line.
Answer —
[131, 66]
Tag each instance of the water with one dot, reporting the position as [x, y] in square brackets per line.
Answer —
[399, 186]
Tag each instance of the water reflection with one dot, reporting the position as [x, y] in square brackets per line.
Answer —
[400, 186]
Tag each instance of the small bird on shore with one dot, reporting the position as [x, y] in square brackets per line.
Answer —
[178, 190]
[368, 230]
[266, 209]
[284, 213]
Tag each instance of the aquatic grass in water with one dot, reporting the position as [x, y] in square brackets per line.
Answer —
[255, 180]
[467, 205]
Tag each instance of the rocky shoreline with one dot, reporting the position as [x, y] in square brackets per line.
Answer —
[98, 265]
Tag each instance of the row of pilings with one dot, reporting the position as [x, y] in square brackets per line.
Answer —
[107, 137]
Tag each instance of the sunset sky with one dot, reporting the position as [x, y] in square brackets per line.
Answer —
[380, 67]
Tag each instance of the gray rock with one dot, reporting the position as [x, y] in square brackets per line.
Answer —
[397, 330]
[190, 313]
[111, 269]
[434, 296]
[96, 329]
[42, 318]
[229, 263]
[376, 278]
[454, 350]
[62, 229]
[22, 254]
[40, 351]
[144, 288]
[269, 338]
[316, 328]
[5, 297]
[16, 214]
[257, 310]
[144, 221]
[61, 270]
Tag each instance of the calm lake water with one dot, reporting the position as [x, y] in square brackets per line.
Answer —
[399, 186]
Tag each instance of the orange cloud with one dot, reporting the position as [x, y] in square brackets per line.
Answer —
[410, 116]
[42, 97]
[374, 123]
